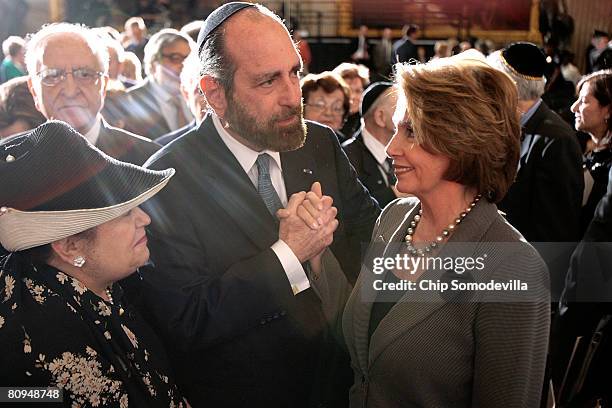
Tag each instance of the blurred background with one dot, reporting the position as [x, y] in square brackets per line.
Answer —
[329, 25]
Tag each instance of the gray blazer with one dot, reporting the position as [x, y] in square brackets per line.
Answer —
[443, 353]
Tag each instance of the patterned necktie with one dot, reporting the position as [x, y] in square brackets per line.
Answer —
[264, 184]
[181, 120]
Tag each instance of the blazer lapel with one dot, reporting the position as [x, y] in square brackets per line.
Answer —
[231, 188]
[414, 307]
[363, 304]
[111, 145]
[299, 170]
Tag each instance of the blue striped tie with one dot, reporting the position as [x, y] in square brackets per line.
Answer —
[264, 184]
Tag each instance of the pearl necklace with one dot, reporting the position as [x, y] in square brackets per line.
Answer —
[110, 297]
[440, 238]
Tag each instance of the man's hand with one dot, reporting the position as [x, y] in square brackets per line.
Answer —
[312, 209]
[306, 241]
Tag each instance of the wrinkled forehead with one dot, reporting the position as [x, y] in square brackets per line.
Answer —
[62, 49]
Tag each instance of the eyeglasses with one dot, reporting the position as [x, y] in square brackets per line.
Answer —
[84, 76]
[320, 106]
[175, 57]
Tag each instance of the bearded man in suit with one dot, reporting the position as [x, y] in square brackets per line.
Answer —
[236, 288]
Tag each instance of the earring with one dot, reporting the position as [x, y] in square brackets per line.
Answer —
[79, 261]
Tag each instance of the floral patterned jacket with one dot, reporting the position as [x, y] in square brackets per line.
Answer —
[56, 332]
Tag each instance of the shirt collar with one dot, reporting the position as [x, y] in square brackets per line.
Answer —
[245, 155]
[527, 115]
[377, 149]
[160, 93]
[93, 133]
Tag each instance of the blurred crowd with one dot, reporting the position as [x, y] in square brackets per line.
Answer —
[134, 94]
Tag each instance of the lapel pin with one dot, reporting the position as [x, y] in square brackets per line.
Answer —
[10, 158]
[307, 171]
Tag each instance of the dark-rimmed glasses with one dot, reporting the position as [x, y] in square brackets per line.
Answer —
[175, 57]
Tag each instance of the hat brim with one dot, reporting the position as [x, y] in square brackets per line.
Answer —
[21, 230]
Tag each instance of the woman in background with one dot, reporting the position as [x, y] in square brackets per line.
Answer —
[17, 111]
[326, 100]
[592, 111]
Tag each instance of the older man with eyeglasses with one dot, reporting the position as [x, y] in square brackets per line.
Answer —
[156, 107]
[68, 73]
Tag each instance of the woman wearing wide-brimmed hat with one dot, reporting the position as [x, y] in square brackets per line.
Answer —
[70, 221]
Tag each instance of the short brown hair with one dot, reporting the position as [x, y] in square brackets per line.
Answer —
[601, 83]
[329, 82]
[17, 103]
[466, 110]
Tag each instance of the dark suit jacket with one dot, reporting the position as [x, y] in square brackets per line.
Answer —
[441, 351]
[544, 203]
[122, 145]
[168, 137]
[125, 146]
[367, 169]
[587, 296]
[210, 240]
[406, 51]
[141, 112]
[355, 44]
[545, 200]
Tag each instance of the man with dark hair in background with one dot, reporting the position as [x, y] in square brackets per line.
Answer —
[405, 49]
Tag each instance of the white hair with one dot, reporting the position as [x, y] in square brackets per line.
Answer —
[528, 89]
[190, 74]
[34, 41]
[12, 45]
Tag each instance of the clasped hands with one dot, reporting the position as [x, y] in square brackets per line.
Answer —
[308, 223]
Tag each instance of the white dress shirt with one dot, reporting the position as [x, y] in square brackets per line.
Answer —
[93, 134]
[247, 158]
[379, 152]
[168, 107]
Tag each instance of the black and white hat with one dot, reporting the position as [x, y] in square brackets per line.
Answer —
[54, 184]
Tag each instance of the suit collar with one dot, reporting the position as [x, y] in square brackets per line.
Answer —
[299, 166]
[93, 134]
[376, 149]
[244, 154]
[369, 165]
[110, 144]
[534, 121]
[228, 184]
[470, 233]
[527, 115]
